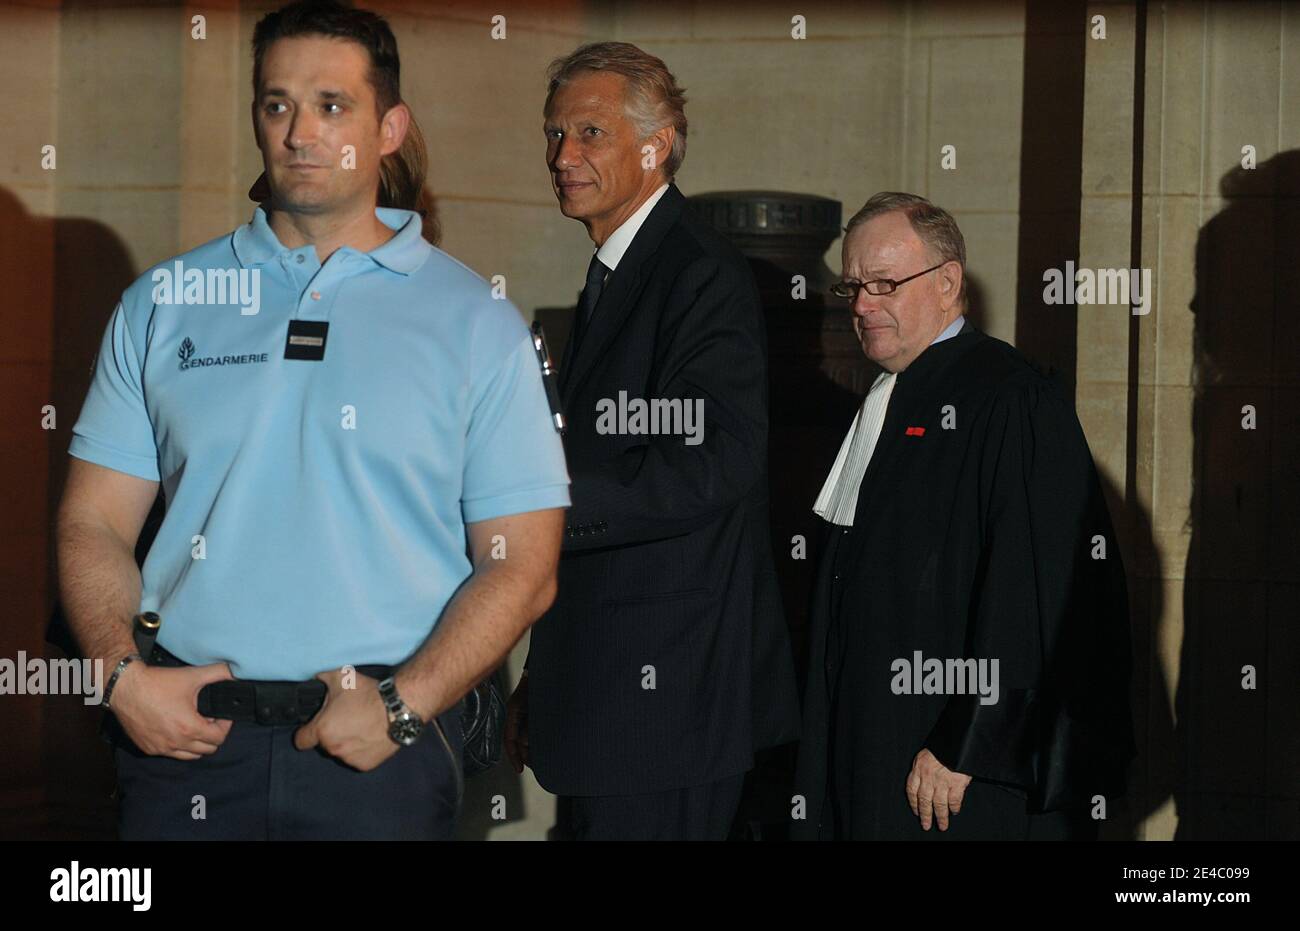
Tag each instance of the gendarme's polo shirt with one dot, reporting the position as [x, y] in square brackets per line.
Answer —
[331, 496]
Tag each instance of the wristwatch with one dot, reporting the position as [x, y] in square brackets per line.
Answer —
[404, 725]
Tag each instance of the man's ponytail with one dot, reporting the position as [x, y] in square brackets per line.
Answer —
[401, 181]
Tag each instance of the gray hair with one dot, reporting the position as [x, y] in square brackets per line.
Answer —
[654, 99]
[933, 225]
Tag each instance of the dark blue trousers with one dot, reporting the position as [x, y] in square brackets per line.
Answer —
[258, 786]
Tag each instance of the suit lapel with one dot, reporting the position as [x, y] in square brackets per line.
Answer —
[615, 300]
[566, 360]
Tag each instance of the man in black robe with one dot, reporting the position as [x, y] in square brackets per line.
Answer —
[970, 639]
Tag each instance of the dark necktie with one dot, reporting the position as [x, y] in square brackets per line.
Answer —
[590, 296]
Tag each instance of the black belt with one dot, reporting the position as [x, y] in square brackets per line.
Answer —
[262, 701]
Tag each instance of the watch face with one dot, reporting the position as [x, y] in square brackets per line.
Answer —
[405, 728]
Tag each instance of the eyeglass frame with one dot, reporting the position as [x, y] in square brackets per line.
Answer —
[893, 284]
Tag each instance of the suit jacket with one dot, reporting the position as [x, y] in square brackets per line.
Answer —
[665, 660]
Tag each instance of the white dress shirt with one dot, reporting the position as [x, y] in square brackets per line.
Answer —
[611, 251]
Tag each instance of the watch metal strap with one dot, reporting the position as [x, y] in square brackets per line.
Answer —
[388, 692]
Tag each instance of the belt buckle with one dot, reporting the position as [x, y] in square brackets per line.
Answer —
[277, 703]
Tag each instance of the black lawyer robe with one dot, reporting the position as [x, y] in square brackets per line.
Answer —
[971, 541]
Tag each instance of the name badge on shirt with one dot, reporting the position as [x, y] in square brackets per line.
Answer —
[306, 340]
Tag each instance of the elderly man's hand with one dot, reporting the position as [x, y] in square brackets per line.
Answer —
[934, 791]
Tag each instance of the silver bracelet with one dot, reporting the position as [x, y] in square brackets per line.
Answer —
[117, 673]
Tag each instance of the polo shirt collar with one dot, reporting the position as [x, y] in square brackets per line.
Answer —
[406, 251]
[255, 243]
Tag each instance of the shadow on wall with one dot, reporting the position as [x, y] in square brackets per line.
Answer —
[70, 783]
[1051, 166]
[1151, 773]
[1238, 772]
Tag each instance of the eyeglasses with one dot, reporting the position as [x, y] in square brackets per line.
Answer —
[849, 289]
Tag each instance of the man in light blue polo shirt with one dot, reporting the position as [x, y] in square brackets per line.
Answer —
[361, 477]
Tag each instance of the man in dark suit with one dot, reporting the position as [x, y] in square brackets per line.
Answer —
[664, 663]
